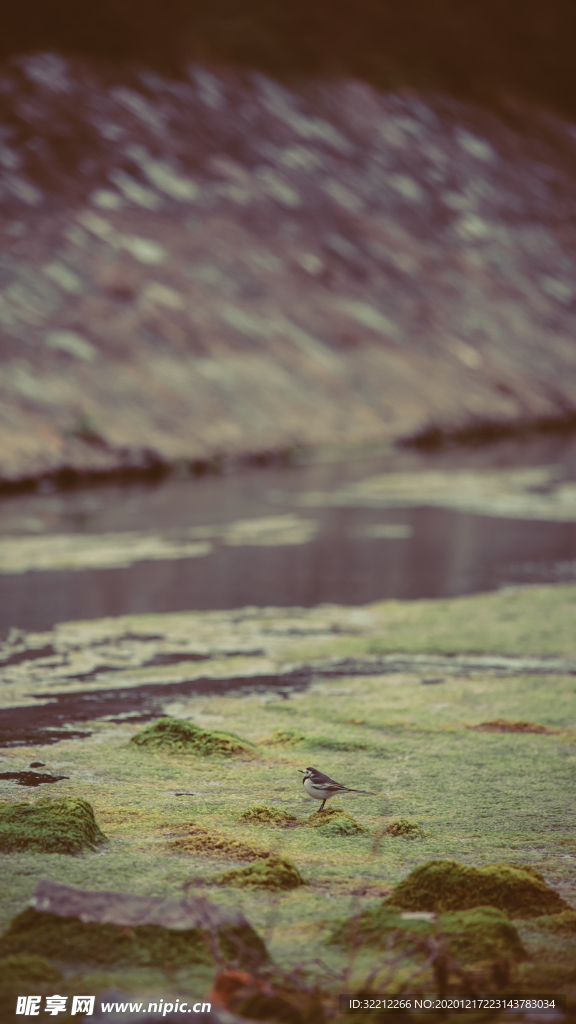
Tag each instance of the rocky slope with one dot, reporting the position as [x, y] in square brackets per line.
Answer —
[222, 265]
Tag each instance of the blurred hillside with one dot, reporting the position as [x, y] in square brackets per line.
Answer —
[219, 264]
[485, 49]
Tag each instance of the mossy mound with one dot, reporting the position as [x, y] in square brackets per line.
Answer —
[334, 822]
[197, 839]
[442, 885]
[273, 873]
[23, 974]
[483, 933]
[66, 825]
[374, 925]
[292, 738]
[285, 738]
[72, 941]
[261, 814]
[27, 973]
[560, 924]
[171, 735]
[403, 827]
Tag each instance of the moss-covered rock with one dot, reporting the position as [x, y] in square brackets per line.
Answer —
[74, 941]
[403, 827]
[334, 822]
[171, 735]
[66, 825]
[111, 929]
[261, 814]
[374, 926]
[23, 974]
[483, 933]
[273, 873]
[442, 885]
[27, 972]
[563, 923]
[107, 945]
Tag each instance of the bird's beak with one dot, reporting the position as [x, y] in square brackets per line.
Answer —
[301, 770]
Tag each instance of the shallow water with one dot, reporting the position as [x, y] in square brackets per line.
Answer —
[338, 531]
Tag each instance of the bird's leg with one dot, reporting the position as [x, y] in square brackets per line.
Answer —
[321, 808]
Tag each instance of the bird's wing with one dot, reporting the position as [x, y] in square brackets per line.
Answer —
[330, 786]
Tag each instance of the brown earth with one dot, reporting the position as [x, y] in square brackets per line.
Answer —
[219, 266]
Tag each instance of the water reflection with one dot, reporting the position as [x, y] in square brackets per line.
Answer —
[397, 526]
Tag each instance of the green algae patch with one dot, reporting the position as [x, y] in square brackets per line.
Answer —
[403, 827]
[334, 822]
[171, 735]
[274, 873]
[261, 814]
[442, 885]
[66, 825]
[194, 838]
[74, 941]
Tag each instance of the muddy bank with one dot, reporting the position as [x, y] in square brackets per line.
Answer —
[219, 266]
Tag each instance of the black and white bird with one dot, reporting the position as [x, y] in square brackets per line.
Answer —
[321, 787]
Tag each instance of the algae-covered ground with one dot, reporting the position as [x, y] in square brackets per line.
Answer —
[472, 767]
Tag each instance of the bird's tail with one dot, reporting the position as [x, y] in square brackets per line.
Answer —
[366, 792]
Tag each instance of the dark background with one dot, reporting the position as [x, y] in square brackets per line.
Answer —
[491, 50]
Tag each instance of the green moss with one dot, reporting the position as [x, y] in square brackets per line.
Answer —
[25, 971]
[197, 839]
[403, 827]
[443, 885]
[242, 945]
[292, 738]
[174, 736]
[562, 923]
[66, 825]
[483, 933]
[334, 822]
[327, 743]
[373, 927]
[23, 974]
[272, 873]
[106, 944]
[261, 814]
[285, 738]
[73, 941]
